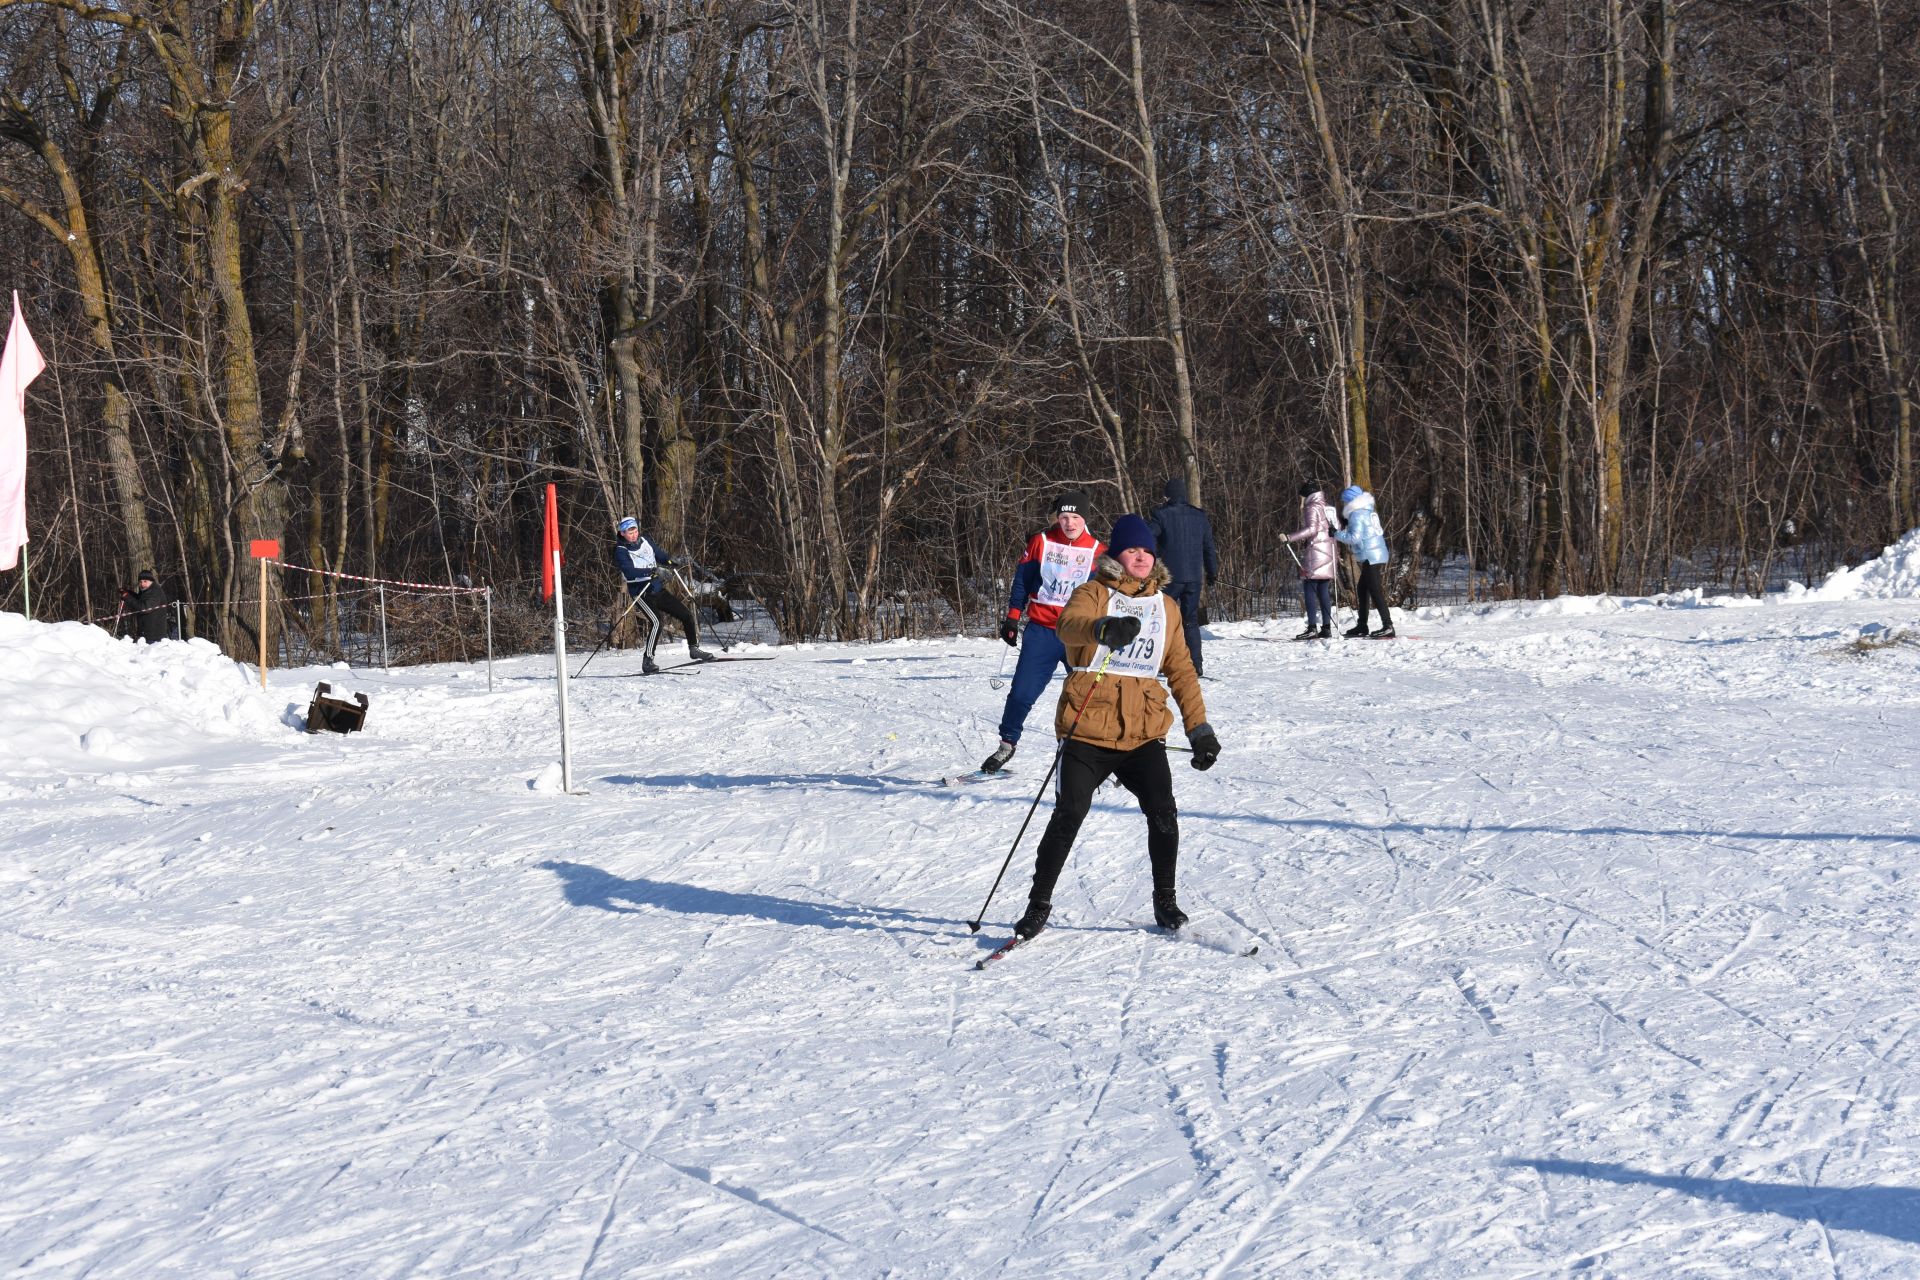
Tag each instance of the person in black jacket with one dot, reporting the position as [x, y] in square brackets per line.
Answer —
[639, 565]
[149, 611]
[1185, 536]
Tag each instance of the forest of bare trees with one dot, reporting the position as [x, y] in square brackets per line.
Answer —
[1595, 294]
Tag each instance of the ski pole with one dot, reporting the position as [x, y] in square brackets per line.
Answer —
[603, 639]
[999, 680]
[973, 926]
[719, 584]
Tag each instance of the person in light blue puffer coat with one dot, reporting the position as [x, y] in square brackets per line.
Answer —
[1367, 540]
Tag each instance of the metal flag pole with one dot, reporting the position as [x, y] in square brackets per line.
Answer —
[560, 672]
[386, 656]
[263, 622]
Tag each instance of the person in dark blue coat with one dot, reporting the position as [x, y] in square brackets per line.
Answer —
[1185, 536]
[639, 564]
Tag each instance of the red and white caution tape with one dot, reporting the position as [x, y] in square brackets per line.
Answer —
[123, 614]
[384, 582]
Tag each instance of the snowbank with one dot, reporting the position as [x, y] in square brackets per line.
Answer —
[1893, 575]
[77, 699]
[1583, 606]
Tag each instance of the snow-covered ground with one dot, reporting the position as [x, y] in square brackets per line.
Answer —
[1588, 944]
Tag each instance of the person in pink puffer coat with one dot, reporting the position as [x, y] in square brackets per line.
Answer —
[1317, 565]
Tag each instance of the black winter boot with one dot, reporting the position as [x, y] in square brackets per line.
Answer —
[1309, 633]
[1166, 910]
[1035, 920]
[1356, 633]
[649, 667]
[1326, 631]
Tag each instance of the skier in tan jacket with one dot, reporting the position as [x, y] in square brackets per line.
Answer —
[1123, 637]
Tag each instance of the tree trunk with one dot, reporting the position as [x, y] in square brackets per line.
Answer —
[1175, 320]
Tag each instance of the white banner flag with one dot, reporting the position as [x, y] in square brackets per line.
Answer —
[20, 364]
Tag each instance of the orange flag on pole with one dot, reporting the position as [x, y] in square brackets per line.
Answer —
[549, 543]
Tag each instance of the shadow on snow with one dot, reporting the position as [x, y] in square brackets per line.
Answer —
[1893, 1212]
[1526, 829]
[890, 782]
[733, 781]
[586, 886]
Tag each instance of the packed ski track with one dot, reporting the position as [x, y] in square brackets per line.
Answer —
[1587, 945]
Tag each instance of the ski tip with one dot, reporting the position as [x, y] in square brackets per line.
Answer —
[998, 952]
[963, 779]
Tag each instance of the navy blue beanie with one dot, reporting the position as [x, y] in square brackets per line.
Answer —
[1130, 531]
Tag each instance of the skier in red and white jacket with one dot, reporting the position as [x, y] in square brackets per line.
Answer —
[1057, 560]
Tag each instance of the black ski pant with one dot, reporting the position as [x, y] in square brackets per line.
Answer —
[654, 603]
[1187, 596]
[1083, 767]
[1371, 588]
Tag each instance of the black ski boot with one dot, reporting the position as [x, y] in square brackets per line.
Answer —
[648, 667]
[699, 655]
[1326, 631]
[1036, 918]
[1312, 632]
[1166, 910]
[1384, 633]
[998, 760]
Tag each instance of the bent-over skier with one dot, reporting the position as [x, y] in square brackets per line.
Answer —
[1123, 636]
[640, 563]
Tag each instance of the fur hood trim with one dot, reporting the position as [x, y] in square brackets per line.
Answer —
[1115, 574]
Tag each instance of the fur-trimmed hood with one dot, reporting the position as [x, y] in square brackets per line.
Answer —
[1124, 711]
[1110, 571]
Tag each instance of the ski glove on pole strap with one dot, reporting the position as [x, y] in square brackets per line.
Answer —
[1116, 633]
[1010, 631]
[1206, 747]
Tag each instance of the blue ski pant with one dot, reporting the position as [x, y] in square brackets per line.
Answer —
[1040, 652]
[1317, 592]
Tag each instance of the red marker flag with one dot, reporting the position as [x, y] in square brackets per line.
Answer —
[549, 543]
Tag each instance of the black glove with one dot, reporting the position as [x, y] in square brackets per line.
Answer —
[1201, 616]
[1210, 579]
[1010, 630]
[1206, 747]
[1116, 633]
